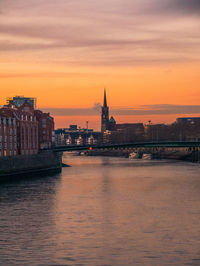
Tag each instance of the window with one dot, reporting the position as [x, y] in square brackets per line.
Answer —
[27, 137]
[43, 123]
[26, 109]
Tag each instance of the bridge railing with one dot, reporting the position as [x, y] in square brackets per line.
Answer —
[164, 144]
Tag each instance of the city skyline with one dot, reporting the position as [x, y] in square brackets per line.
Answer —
[146, 111]
[64, 54]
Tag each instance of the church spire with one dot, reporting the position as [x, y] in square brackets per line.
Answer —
[105, 100]
[104, 115]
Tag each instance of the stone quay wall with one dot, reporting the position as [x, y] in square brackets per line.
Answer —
[43, 161]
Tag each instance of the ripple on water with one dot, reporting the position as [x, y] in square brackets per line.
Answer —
[103, 211]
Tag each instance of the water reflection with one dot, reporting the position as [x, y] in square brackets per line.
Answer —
[26, 220]
[103, 211]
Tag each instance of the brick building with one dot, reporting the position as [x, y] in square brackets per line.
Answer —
[24, 130]
[45, 129]
[8, 136]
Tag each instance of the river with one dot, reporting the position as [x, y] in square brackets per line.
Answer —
[103, 211]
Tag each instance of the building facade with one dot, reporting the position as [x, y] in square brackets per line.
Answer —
[76, 136]
[8, 136]
[45, 129]
[24, 130]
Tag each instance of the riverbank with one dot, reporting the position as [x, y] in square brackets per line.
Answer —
[45, 162]
[183, 154]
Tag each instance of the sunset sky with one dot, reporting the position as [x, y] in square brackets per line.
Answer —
[64, 52]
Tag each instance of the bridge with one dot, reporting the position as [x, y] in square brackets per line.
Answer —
[194, 145]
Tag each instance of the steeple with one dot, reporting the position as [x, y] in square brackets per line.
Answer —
[105, 100]
[104, 115]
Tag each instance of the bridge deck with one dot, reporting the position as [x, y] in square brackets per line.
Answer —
[191, 144]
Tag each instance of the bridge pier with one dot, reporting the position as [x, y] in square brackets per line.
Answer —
[195, 154]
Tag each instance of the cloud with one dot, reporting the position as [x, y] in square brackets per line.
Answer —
[159, 109]
[57, 75]
[97, 107]
[48, 75]
[71, 111]
[111, 32]
[163, 8]
[181, 6]
[139, 49]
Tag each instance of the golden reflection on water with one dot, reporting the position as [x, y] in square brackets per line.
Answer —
[104, 211]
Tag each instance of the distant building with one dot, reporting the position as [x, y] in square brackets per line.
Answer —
[188, 120]
[184, 129]
[104, 115]
[189, 128]
[131, 132]
[116, 133]
[158, 132]
[112, 124]
[20, 100]
[75, 135]
[73, 128]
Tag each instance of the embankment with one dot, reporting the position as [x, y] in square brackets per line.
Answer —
[156, 153]
[43, 162]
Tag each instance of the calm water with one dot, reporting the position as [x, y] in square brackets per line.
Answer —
[103, 211]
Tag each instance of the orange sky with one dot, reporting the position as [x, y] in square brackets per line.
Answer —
[66, 53]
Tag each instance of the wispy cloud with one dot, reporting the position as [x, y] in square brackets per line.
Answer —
[55, 74]
[111, 32]
[159, 109]
[189, 7]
